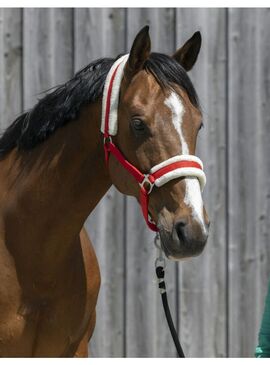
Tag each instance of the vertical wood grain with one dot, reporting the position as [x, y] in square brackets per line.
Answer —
[100, 33]
[48, 50]
[202, 289]
[146, 327]
[10, 65]
[249, 172]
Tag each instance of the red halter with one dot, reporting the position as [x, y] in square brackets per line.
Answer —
[174, 167]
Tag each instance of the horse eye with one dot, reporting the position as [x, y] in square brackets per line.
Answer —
[138, 125]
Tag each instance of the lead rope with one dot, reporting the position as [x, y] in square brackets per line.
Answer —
[160, 266]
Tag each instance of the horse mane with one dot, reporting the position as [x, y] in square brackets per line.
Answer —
[63, 104]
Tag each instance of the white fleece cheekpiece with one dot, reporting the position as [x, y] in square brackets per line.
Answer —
[119, 65]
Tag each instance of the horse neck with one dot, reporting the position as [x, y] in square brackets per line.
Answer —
[55, 186]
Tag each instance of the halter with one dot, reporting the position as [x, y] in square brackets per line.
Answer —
[172, 168]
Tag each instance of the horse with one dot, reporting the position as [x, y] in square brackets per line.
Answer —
[54, 171]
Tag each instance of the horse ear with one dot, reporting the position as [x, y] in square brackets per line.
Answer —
[187, 55]
[139, 52]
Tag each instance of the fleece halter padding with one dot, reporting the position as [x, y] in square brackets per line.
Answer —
[172, 168]
[111, 96]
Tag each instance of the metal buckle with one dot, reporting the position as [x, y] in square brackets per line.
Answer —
[107, 140]
[160, 260]
[146, 184]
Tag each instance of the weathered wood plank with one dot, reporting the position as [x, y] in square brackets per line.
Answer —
[48, 49]
[147, 334]
[100, 33]
[202, 291]
[10, 65]
[249, 171]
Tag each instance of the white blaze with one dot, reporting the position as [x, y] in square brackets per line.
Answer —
[193, 196]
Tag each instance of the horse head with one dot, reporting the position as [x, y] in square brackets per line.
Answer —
[158, 120]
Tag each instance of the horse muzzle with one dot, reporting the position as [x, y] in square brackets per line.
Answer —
[186, 239]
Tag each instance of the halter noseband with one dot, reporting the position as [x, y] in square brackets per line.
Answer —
[172, 168]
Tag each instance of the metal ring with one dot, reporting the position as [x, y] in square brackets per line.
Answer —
[107, 140]
[157, 238]
[149, 187]
[160, 261]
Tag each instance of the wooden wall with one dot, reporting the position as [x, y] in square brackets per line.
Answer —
[217, 298]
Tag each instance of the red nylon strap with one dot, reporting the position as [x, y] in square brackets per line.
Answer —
[144, 198]
[110, 146]
[175, 165]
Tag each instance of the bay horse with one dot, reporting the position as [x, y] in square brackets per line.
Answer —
[53, 173]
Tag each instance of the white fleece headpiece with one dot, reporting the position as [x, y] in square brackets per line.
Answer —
[119, 65]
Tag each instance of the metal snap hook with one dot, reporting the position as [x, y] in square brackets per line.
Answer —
[160, 260]
[157, 241]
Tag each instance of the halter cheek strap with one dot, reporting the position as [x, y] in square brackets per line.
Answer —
[172, 168]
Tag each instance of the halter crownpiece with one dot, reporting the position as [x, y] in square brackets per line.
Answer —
[111, 97]
[172, 168]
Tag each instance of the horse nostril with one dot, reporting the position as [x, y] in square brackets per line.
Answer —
[180, 229]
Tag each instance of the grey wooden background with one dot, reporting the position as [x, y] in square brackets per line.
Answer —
[216, 299]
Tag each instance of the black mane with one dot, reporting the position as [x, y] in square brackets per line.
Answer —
[63, 104]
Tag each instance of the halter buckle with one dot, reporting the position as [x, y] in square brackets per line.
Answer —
[146, 184]
[107, 140]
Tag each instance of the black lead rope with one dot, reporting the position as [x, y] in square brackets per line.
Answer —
[162, 287]
[160, 272]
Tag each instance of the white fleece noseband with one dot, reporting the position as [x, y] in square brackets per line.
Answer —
[180, 172]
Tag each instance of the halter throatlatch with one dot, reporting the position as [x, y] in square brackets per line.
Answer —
[174, 167]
